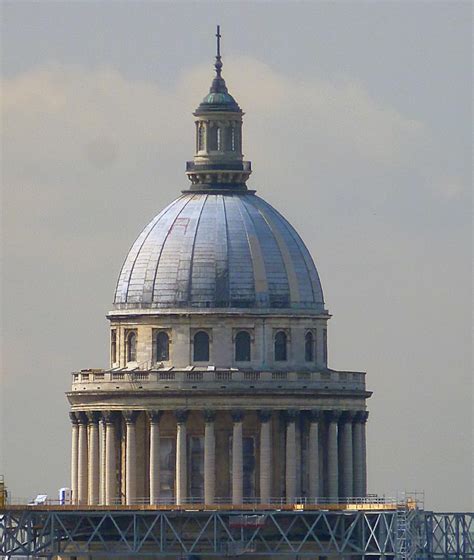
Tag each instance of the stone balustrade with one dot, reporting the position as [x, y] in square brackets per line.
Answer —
[201, 378]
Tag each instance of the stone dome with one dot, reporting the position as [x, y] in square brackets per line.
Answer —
[219, 250]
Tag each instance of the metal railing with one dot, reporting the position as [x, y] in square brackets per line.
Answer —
[253, 502]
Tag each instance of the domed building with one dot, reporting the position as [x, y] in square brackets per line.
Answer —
[218, 389]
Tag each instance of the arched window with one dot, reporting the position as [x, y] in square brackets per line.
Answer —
[242, 347]
[132, 347]
[162, 347]
[280, 347]
[309, 347]
[201, 347]
[219, 138]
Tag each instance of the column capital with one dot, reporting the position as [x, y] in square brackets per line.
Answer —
[361, 416]
[81, 417]
[73, 418]
[315, 415]
[209, 415]
[130, 416]
[109, 416]
[265, 415]
[93, 417]
[154, 416]
[237, 415]
[181, 415]
[291, 414]
[332, 415]
[347, 416]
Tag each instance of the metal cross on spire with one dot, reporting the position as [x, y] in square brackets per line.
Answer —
[218, 63]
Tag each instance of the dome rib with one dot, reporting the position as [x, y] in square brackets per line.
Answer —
[219, 251]
[317, 295]
[123, 283]
[286, 259]
[161, 247]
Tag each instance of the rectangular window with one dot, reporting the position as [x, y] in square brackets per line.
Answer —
[113, 346]
[167, 468]
[196, 467]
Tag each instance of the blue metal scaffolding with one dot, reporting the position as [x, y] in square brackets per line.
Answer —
[394, 534]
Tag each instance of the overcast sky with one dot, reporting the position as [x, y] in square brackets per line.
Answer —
[358, 126]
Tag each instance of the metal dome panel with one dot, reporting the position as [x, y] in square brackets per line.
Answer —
[219, 251]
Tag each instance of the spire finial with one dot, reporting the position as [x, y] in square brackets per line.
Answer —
[218, 63]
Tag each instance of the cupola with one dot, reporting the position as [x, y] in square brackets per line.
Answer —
[218, 161]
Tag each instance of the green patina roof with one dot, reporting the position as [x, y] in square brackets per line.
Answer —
[221, 98]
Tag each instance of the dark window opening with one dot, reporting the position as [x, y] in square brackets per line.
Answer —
[132, 347]
[242, 347]
[162, 347]
[230, 139]
[113, 346]
[237, 139]
[280, 347]
[309, 347]
[212, 138]
[201, 347]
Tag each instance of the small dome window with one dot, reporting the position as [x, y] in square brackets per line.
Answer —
[242, 347]
[281, 347]
[309, 347]
[162, 347]
[131, 346]
[201, 347]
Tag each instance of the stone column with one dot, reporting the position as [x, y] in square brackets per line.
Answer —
[365, 416]
[237, 458]
[102, 460]
[74, 455]
[154, 416]
[313, 454]
[209, 457]
[290, 474]
[82, 460]
[265, 417]
[110, 459]
[130, 417]
[94, 466]
[332, 456]
[346, 456]
[181, 461]
[359, 451]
